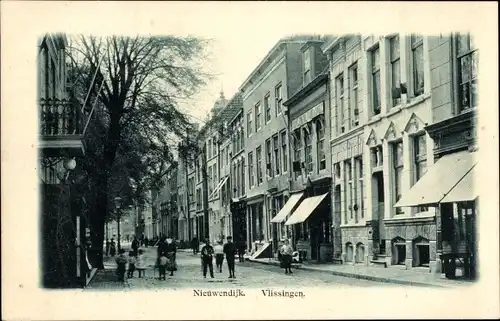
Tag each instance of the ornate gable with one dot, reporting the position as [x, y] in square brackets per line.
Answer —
[372, 139]
[390, 133]
[414, 124]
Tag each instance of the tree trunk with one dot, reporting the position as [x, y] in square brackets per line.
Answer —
[98, 217]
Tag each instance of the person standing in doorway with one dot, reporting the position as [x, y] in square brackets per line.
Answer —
[207, 253]
[286, 254]
[241, 251]
[112, 247]
[107, 247]
[219, 256]
[230, 251]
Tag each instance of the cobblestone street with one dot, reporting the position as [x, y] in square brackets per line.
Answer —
[248, 274]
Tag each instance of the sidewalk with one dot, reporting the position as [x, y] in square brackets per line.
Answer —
[393, 274]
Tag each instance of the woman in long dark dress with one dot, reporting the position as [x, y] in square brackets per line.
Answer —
[171, 256]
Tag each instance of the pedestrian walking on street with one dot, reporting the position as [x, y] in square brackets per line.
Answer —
[162, 266]
[207, 253]
[135, 245]
[171, 256]
[230, 251]
[112, 248]
[286, 254]
[219, 255]
[121, 265]
[146, 242]
[107, 247]
[195, 245]
[241, 251]
[131, 263]
[141, 264]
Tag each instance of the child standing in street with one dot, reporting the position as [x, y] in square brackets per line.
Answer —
[131, 263]
[219, 256]
[121, 264]
[162, 266]
[141, 264]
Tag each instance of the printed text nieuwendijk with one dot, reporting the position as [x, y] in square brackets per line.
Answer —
[240, 293]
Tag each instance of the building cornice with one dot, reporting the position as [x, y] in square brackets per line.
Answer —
[329, 45]
[452, 122]
[304, 91]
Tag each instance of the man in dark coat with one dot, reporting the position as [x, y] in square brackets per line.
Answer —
[207, 254]
[135, 246]
[230, 251]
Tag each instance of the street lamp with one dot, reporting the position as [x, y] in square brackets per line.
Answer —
[118, 205]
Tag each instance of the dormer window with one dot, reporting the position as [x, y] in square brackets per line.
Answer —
[307, 66]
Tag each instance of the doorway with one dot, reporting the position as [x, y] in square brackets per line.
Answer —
[400, 254]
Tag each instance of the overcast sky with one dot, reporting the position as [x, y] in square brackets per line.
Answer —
[234, 57]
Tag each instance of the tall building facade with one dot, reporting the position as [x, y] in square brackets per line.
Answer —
[272, 82]
[309, 112]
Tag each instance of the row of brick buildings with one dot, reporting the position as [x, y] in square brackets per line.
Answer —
[358, 148]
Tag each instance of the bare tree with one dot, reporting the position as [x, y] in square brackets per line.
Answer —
[140, 83]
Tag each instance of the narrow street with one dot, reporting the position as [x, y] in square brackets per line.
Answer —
[248, 275]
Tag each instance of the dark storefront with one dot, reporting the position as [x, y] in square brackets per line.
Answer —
[239, 224]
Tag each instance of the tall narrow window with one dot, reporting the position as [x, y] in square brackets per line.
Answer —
[340, 102]
[258, 154]
[354, 99]
[320, 134]
[420, 161]
[250, 170]
[395, 70]
[279, 98]
[308, 148]
[417, 53]
[239, 179]
[284, 151]
[307, 66]
[468, 61]
[235, 184]
[359, 188]
[269, 165]
[267, 107]
[249, 123]
[243, 177]
[276, 148]
[397, 159]
[349, 190]
[257, 116]
[297, 150]
[375, 64]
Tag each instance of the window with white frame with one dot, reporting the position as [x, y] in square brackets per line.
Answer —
[276, 148]
[467, 55]
[267, 107]
[375, 80]
[258, 155]
[354, 98]
[420, 161]
[250, 170]
[279, 98]
[320, 134]
[249, 123]
[395, 69]
[339, 81]
[417, 56]
[398, 167]
[257, 116]
[269, 165]
[308, 148]
[284, 151]
[307, 66]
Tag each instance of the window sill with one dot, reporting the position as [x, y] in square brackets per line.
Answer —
[359, 224]
[406, 218]
[374, 119]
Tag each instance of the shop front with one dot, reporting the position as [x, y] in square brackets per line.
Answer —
[281, 231]
[238, 227]
[312, 223]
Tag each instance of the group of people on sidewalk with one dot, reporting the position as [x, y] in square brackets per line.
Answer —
[208, 252]
[135, 261]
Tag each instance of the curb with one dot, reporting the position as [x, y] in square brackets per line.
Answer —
[360, 276]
